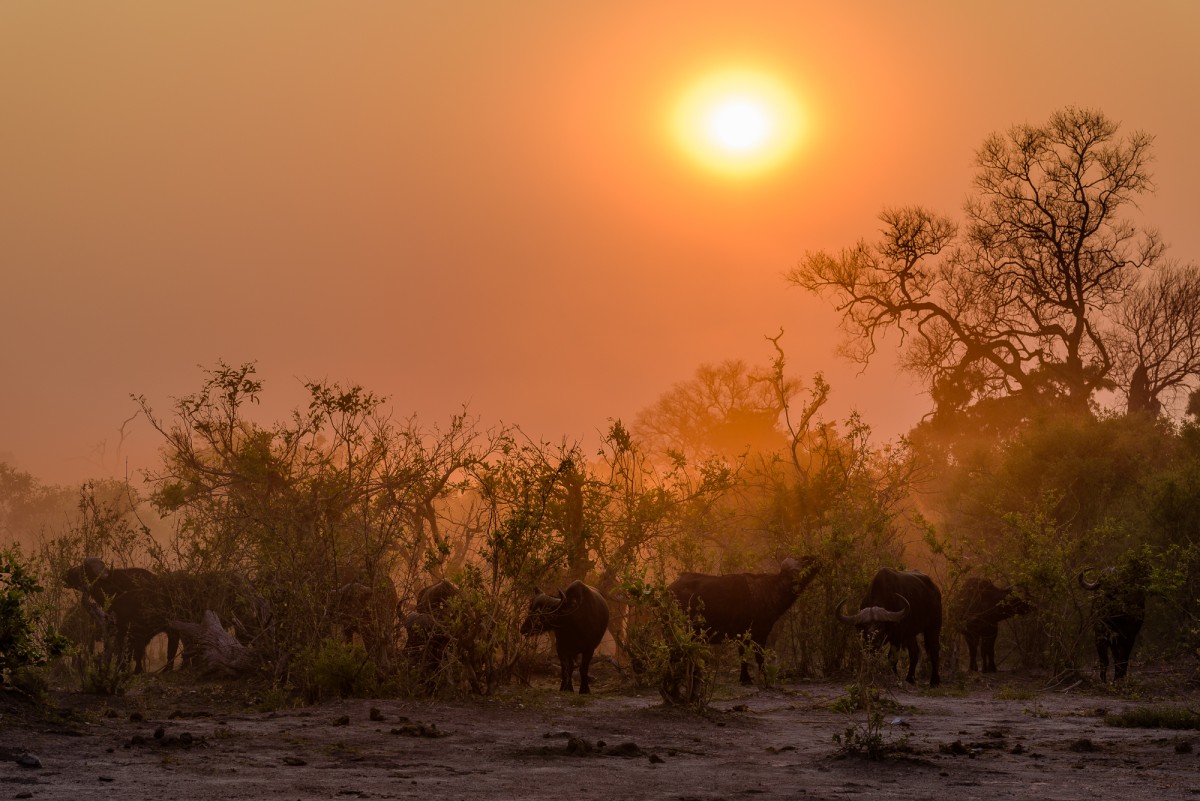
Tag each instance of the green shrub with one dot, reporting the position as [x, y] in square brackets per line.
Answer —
[665, 649]
[27, 643]
[274, 698]
[1155, 717]
[1011, 692]
[335, 669]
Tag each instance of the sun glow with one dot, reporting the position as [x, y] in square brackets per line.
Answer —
[739, 123]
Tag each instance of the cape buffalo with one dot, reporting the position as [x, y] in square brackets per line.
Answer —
[368, 610]
[578, 616]
[1118, 610]
[428, 630]
[133, 600]
[435, 597]
[726, 607]
[981, 606]
[898, 606]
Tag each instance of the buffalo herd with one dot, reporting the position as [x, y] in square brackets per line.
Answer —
[899, 607]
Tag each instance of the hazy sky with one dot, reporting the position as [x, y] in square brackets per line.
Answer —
[477, 202]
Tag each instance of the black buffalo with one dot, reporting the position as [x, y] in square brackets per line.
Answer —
[578, 616]
[1118, 611]
[898, 606]
[368, 610]
[428, 629]
[981, 606]
[134, 602]
[730, 606]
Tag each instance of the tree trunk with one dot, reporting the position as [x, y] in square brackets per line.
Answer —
[215, 650]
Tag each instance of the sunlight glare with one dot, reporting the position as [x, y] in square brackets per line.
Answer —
[738, 123]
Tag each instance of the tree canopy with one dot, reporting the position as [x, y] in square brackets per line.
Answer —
[1045, 289]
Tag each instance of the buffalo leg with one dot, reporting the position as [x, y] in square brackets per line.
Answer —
[1102, 654]
[913, 654]
[893, 656]
[1122, 649]
[566, 660]
[933, 649]
[585, 660]
[744, 677]
[989, 653]
[972, 647]
[173, 649]
[137, 650]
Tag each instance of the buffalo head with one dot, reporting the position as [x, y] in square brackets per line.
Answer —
[801, 571]
[875, 621]
[83, 576]
[874, 615]
[1014, 602]
[543, 608]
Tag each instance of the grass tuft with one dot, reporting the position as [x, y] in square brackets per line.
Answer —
[1155, 717]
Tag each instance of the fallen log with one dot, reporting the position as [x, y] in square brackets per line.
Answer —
[213, 649]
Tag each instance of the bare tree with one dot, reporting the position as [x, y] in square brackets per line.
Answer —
[1014, 302]
[1157, 349]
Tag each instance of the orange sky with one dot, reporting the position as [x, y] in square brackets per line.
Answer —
[476, 202]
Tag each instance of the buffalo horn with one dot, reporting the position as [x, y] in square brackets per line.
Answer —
[898, 615]
[1083, 582]
[853, 620]
[874, 614]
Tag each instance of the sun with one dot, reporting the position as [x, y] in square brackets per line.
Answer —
[739, 125]
[737, 122]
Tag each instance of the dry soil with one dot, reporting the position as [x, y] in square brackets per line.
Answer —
[994, 738]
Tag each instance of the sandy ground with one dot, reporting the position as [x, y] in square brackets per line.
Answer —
[178, 739]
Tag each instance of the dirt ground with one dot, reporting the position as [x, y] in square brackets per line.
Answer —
[1003, 737]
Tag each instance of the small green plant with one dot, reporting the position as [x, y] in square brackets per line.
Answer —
[335, 669]
[1155, 717]
[866, 737]
[1037, 711]
[863, 739]
[1009, 692]
[860, 699]
[276, 697]
[579, 700]
[106, 671]
[751, 652]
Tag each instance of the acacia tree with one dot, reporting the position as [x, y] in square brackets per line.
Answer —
[1019, 299]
